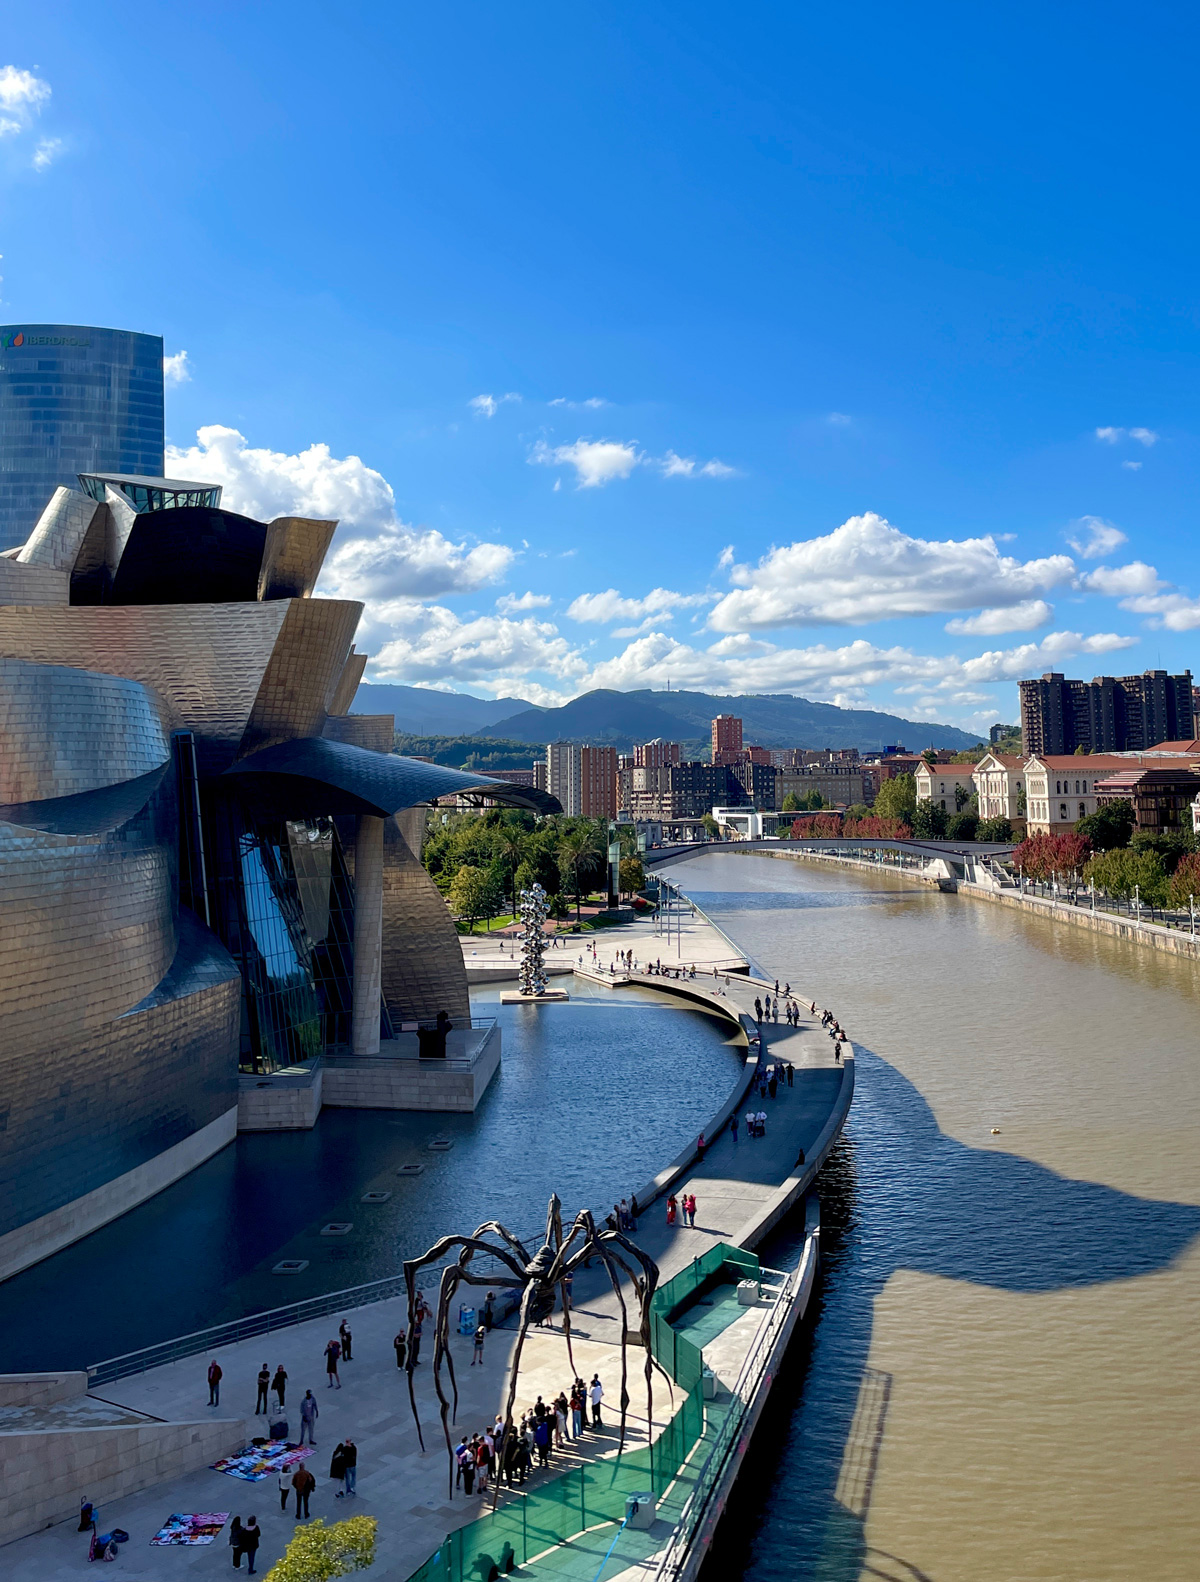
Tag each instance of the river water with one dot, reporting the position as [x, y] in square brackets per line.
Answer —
[1001, 1375]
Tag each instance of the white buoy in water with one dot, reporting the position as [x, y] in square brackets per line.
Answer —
[995, 1131]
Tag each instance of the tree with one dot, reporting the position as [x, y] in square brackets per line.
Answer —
[994, 829]
[929, 821]
[473, 894]
[791, 803]
[930, 756]
[962, 826]
[1185, 881]
[1110, 825]
[711, 828]
[510, 840]
[1045, 856]
[1172, 845]
[579, 856]
[1119, 870]
[897, 797]
[318, 1553]
[962, 795]
[633, 875]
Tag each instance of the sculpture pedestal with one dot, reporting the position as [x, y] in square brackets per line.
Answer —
[515, 997]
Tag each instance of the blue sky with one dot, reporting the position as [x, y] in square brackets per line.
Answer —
[844, 352]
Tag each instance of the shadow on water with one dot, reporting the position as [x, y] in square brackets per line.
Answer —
[899, 1194]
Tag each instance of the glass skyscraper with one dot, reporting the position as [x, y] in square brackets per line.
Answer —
[73, 400]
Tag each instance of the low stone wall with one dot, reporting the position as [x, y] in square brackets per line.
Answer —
[280, 1103]
[44, 1475]
[40, 1389]
[380, 1084]
[1169, 940]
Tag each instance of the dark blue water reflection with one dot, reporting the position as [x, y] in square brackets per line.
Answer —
[591, 1099]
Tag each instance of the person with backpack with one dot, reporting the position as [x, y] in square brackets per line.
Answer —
[466, 1465]
[304, 1483]
[477, 1353]
[214, 1383]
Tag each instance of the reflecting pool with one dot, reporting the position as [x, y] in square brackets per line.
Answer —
[593, 1096]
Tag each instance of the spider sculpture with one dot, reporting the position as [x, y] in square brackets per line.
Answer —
[553, 1265]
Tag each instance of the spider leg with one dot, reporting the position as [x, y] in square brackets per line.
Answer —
[515, 1366]
[616, 1285]
[435, 1253]
[559, 1275]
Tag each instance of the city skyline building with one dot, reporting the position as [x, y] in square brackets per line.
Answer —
[74, 399]
[726, 739]
[1107, 714]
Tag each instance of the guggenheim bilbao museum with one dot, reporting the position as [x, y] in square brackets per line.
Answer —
[208, 867]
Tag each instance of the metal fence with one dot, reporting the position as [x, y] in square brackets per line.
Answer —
[1132, 907]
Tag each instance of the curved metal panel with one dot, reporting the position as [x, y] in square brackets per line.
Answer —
[87, 924]
[295, 551]
[347, 683]
[423, 967]
[204, 661]
[21, 584]
[191, 554]
[85, 1108]
[87, 812]
[65, 731]
[61, 530]
[357, 780]
[376, 732]
[308, 657]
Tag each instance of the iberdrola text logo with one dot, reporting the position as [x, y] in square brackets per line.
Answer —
[13, 338]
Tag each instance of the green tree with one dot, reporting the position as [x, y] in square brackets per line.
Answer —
[897, 798]
[1120, 869]
[317, 1553]
[994, 829]
[1109, 826]
[473, 894]
[711, 828]
[812, 802]
[510, 840]
[633, 875]
[962, 826]
[791, 803]
[1172, 845]
[580, 854]
[929, 821]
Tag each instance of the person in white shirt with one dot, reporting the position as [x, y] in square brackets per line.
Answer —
[596, 1395]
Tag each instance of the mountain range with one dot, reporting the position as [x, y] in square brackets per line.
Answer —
[623, 718]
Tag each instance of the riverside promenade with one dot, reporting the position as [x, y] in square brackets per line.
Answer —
[743, 1189]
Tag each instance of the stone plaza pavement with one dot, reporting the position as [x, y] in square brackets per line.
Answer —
[397, 1482]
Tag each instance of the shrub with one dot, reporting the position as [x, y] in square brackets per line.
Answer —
[318, 1553]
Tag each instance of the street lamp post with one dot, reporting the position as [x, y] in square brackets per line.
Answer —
[1192, 913]
[1092, 888]
[1137, 902]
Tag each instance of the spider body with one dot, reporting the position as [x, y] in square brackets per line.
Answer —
[544, 1278]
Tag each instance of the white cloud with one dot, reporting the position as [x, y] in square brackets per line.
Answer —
[1021, 617]
[1174, 611]
[47, 152]
[725, 558]
[1132, 466]
[176, 369]
[1122, 581]
[1092, 536]
[509, 604]
[1114, 436]
[22, 98]
[593, 403]
[433, 643]
[839, 420]
[613, 606]
[674, 466]
[596, 462]
[1011, 664]
[489, 405]
[868, 570]
[376, 557]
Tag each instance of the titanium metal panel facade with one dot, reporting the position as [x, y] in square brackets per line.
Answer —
[73, 399]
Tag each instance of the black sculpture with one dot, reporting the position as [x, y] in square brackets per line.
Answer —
[552, 1265]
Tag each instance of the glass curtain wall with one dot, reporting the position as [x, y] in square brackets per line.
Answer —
[283, 904]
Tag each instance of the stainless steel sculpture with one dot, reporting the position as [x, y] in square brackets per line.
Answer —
[552, 1266]
[534, 907]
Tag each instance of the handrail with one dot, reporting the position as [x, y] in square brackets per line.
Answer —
[263, 1323]
[749, 1377]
